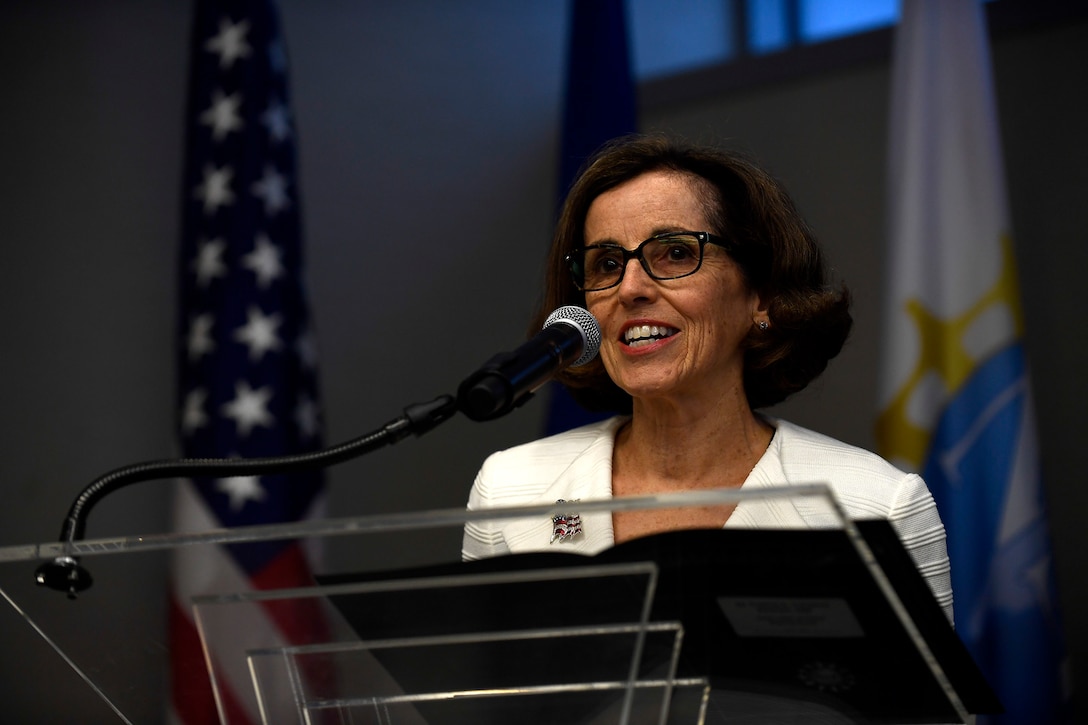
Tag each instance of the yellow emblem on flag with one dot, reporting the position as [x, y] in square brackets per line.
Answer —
[943, 352]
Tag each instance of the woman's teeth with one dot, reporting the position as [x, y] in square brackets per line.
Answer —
[645, 334]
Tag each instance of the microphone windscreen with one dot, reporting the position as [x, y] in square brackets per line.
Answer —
[585, 323]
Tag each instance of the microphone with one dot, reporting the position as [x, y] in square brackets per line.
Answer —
[570, 337]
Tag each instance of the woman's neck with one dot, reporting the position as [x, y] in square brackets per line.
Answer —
[669, 446]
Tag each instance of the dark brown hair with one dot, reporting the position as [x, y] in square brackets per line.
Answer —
[776, 251]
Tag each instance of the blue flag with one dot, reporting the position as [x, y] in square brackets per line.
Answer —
[957, 402]
[246, 363]
[599, 106]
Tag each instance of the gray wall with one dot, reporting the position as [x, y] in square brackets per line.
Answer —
[432, 125]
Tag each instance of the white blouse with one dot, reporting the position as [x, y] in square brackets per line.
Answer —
[577, 465]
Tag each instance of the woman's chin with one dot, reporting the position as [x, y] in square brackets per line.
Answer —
[647, 388]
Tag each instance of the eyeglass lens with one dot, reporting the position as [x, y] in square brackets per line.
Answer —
[663, 258]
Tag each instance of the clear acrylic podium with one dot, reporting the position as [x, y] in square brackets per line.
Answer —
[678, 629]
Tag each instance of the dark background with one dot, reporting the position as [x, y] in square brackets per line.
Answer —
[432, 127]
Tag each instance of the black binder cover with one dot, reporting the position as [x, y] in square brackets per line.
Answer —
[789, 613]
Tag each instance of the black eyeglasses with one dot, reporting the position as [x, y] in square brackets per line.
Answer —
[664, 256]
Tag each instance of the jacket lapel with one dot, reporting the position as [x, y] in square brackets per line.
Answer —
[772, 513]
[588, 477]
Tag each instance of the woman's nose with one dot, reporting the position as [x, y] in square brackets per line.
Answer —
[636, 284]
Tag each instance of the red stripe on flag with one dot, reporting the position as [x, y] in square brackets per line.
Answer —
[286, 570]
[190, 684]
[302, 620]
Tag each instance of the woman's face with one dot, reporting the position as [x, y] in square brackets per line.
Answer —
[668, 338]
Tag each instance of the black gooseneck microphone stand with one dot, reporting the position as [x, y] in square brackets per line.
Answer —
[570, 337]
[66, 574]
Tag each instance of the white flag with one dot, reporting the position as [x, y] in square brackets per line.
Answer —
[956, 402]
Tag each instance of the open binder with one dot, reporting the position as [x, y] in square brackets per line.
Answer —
[832, 625]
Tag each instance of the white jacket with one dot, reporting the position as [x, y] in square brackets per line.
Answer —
[577, 465]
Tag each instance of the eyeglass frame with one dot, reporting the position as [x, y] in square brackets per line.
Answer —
[704, 238]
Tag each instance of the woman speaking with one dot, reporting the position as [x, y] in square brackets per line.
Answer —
[712, 300]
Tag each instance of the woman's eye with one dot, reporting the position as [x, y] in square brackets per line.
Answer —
[607, 264]
[680, 252]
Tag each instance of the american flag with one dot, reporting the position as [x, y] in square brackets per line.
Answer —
[246, 356]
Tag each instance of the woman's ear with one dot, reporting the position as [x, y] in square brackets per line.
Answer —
[761, 316]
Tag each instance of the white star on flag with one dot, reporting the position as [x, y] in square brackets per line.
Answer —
[272, 190]
[306, 347]
[259, 333]
[276, 118]
[209, 261]
[264, 261]
[230, 44]
[223, 115]
[214, 190]
[249, 408]
[240, 489]
[200, 338]
[192, 413]
[277, 56]
[307, 417]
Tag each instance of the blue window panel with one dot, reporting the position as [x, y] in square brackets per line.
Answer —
[827, 19]
[671, 37]
[768, 26]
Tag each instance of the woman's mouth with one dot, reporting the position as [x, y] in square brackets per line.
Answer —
[641, 335]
